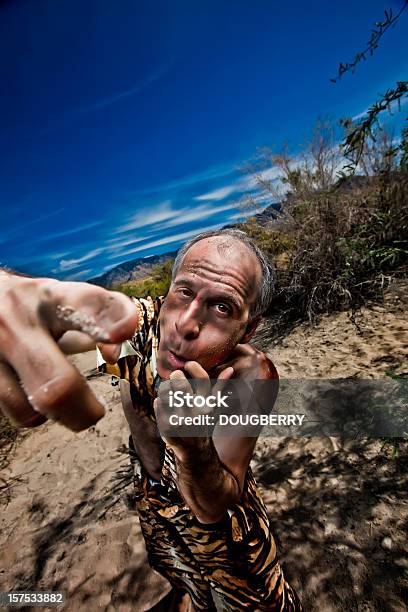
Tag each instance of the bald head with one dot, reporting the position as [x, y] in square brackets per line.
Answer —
[233, 248]
[226, 260]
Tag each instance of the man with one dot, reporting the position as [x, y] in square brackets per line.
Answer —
[203, 519]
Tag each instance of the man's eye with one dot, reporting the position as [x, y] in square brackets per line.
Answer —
[223, 308]
[184, 292]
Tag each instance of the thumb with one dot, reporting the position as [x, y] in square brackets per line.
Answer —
[222, 378]
[226, 374]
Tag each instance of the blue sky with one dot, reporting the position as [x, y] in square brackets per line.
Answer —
[123, 124]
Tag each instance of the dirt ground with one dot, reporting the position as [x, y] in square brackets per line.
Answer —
[339, 510]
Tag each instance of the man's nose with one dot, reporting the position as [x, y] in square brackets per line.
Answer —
[188, 325]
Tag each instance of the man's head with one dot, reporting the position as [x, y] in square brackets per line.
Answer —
[221, 285]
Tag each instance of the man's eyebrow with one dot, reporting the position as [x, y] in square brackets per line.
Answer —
[184, 281]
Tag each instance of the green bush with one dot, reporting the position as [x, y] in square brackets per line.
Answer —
[156, 284]
[273, 242]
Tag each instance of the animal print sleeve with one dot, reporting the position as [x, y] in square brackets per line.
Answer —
[137, 350]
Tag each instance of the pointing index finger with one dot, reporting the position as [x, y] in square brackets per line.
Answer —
[106, 316]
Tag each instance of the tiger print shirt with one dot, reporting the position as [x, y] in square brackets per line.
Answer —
[230, 565]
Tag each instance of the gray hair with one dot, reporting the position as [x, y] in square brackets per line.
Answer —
[266, 289]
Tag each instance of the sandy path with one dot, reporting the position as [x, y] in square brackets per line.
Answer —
[55, 533]
[340, 515]
[340, 510]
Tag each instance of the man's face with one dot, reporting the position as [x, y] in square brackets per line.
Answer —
[206, 312]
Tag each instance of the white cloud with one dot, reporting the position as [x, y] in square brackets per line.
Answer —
[78, 275]
[163, 217]
[69, 232]
[393, 107]
[191, 179]
[121, 242]
[252, 180]
[167, 240]
[360, 115]
[217, 194]
[160, 212]
[6, 237]
[70, 264]
[120, 95]
[57, 255]
[199, 212]
[106, 101]
[42, 257]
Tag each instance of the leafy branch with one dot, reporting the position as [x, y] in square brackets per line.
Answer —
[372, 44]
[354, 142]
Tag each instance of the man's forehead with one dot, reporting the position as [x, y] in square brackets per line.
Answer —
[226, 256]
[217, 248]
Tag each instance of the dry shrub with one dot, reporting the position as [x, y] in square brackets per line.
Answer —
[344, 246]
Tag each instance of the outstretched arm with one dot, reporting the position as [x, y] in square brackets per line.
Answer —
[36, 380]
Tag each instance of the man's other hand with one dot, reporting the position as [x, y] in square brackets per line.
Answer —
[178, 382]
[41, 318]
[249, 364]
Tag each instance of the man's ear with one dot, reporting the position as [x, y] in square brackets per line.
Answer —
[251, 329]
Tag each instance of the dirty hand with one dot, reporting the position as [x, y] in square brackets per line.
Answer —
[175, 431]
[36, 379]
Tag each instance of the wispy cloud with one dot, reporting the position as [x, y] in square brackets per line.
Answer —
[162, 217]
[108, 100]
[120, 242]
[22, 226]
[78, 275]
[144, 218]
[191, 180]
[68, 232]
[218, 194]
[251, 181]
[41, 258]
[184, 215]
[121, 95]
[57, 255]
[161, 212]
[396, 105]
[167, 240]
[70, 264]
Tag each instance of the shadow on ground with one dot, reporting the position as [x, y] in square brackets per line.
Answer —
[340, 518]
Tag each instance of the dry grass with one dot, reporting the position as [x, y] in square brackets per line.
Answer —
[348, 245]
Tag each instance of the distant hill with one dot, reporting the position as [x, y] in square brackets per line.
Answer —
[136, 269]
